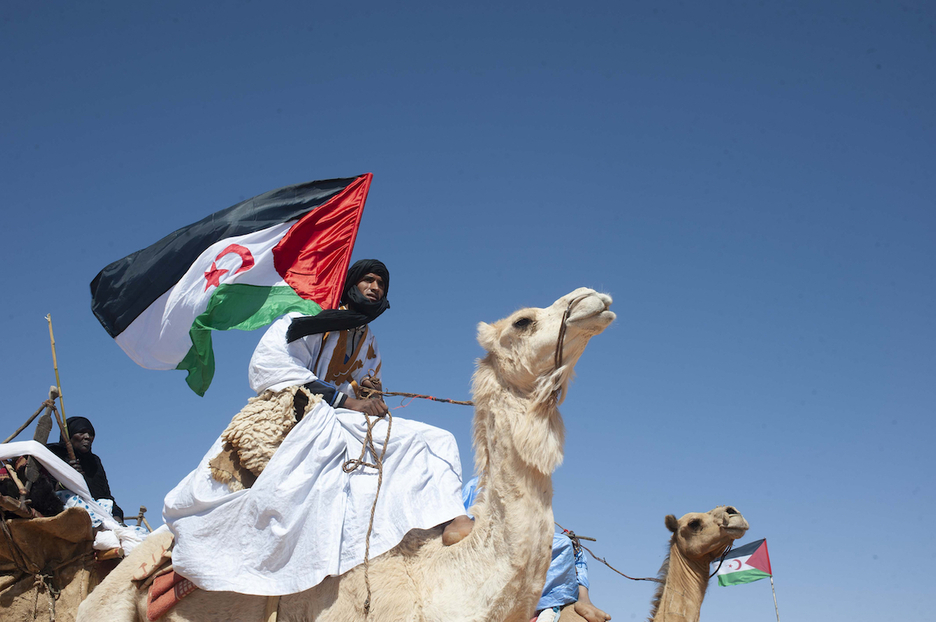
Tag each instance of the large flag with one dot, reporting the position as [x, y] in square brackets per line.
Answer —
[745, 564]
[285, 250]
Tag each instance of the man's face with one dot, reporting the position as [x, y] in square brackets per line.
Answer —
[81, 441]
[372, 287]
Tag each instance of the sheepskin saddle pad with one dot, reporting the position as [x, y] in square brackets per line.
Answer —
[256, 432]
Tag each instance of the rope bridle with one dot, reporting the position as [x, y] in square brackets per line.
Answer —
[560, 342]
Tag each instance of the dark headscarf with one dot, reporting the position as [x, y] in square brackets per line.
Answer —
[79, 424]
[360, 310]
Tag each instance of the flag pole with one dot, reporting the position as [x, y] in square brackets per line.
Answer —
[774, 598]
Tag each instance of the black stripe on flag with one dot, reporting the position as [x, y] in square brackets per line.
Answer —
[124, 289]
[744, 551]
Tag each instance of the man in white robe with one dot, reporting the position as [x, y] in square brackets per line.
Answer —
[305, 518]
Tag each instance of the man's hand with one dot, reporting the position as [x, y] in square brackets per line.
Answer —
[373, 406]
[75, 465]
[370, 382]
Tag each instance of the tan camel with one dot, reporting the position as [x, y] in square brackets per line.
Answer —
[498, 570]
[698, 540]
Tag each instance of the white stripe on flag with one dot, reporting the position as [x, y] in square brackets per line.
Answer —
[737, 564]
[159, 337]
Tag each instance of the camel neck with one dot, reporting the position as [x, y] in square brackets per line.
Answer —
[684, 590]
[517, 445]
[515, 492]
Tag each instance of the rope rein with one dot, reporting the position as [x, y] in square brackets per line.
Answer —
[577, 545]
[557, 359]
[423, 397]
[722, 560]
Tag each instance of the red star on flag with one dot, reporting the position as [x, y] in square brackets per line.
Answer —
[213, 276]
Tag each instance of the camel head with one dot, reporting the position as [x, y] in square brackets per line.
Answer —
[530, 359]
[703, 537]
[522, 347]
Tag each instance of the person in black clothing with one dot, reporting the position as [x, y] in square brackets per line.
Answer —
[86, 463]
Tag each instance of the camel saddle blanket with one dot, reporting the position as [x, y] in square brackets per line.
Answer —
[166, 587]
[256, 432]
[165, 593]
[46, 563]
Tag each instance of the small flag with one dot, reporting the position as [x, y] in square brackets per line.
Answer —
[285, 250]
[745, 564]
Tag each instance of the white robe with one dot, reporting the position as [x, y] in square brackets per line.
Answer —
[305, 518]
[276, 365]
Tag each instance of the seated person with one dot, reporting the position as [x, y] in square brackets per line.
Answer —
[86, 463]
[306, 517]
[566, 579]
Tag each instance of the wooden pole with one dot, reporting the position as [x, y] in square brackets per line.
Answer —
[58, 383]
[774, 598]
[25, 425]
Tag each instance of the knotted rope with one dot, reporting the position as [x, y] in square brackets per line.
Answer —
[354, 463]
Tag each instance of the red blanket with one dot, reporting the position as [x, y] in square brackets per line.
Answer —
[166, 590]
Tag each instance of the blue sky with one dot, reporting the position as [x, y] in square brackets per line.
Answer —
[752, 182]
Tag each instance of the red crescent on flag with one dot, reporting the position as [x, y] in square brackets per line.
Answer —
[213, 276]
[247, 260]
[729, 565]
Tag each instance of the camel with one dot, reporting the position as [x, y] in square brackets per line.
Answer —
[497, 571]
[698, 540]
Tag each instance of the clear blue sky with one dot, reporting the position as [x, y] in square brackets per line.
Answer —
[752, 182]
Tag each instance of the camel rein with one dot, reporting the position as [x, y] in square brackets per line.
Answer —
[557, 359]
[577, 544]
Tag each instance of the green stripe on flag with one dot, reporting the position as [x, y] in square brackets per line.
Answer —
[745, 576]
[241, 307]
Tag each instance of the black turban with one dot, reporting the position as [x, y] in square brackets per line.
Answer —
[360, 310]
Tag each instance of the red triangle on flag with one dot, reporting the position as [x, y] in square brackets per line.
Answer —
[314, 255]
[760, 560]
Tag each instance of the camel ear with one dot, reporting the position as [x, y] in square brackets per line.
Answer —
[487, 335]
[671, 523]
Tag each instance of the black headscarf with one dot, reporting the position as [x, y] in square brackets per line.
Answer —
[79, 424]
[360, 310]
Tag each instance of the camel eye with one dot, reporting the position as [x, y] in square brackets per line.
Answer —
[522, 323]
[695, 524]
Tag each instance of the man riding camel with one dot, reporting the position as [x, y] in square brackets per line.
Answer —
[307, 515]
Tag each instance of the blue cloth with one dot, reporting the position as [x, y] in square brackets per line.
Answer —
[567, 569]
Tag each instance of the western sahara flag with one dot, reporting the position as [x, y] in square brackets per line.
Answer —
[745, 564]
[285, 250]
